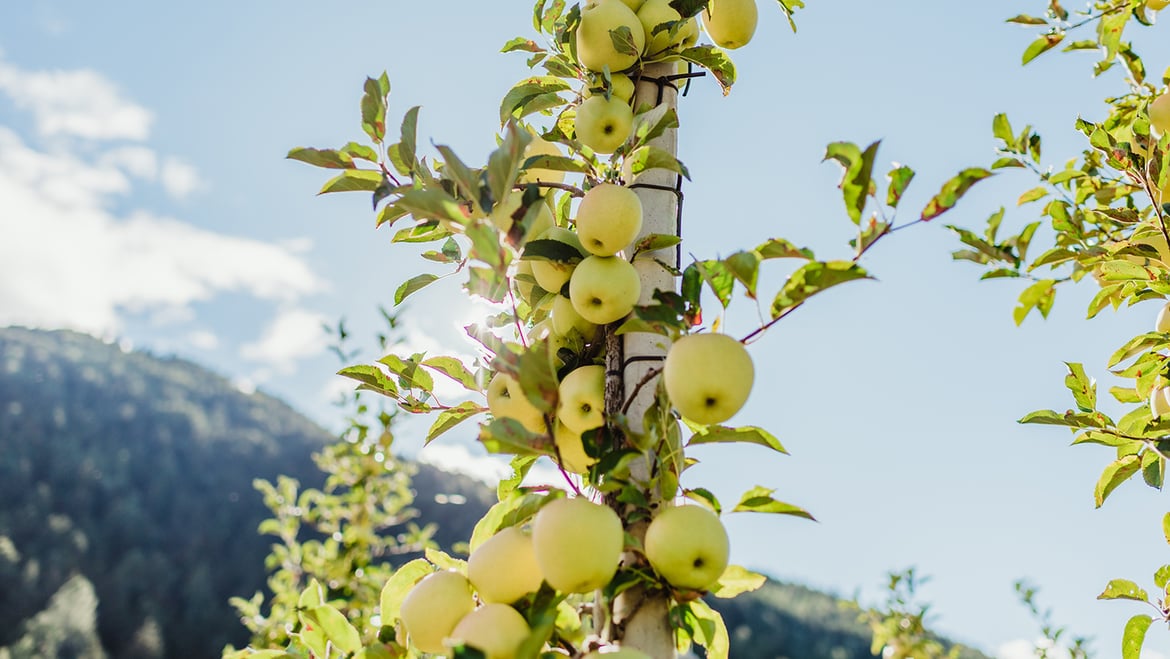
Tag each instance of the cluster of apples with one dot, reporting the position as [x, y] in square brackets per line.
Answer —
[603, 122]
[575, 546]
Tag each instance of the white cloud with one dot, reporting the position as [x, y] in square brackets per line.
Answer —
[179, 179]
[203, 339]
[78, 103]
[294, 334]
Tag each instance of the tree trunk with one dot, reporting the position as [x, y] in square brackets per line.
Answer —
[640, 619]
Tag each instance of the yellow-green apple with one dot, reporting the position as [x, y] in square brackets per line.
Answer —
[604, 289]
[523, 280]
[595, 49]
[565, 320]
[656, 12]
[688, 546]
[503, 569]
[620, 86]
[541, 147]
[506, 400]
[578, 544]
[571, 450]
[731, 23]
[615, 652]
[708, 377]
[552, 275]
[503, 212]
[603, 124]
[543, 331]
[496, 630]
[1160, 113]
[1163, 322]
[582, 399]
[608, 218]
[434, 606]
[1160, 402]
[634, 5]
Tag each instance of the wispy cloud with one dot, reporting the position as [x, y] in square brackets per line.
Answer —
[294, 334]
[79, 103]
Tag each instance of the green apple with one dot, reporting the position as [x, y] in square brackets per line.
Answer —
[1160, 402]
[502, 215]
[582, 399]
[578, 544]
[541, 147]
[552, 275]
[656, 12]
[524, 286]
[731, 23]
[503, 569]
[543, 331]
[603, 125]
[595, 49]
[571, 449]
[604, 289]
[608, 218]
[1163, 322]
[1160, 113]
[433, 608]
[634, 5]
[506, 400]
[708, 377]
[496, 630]
[621, 86]
[565, 320]
[688, 546]
[614, 652]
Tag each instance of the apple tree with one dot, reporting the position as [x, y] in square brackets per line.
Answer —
[1103, 219]
[600, 350]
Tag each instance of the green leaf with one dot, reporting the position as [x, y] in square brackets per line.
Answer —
[710, 631]
[759, 500]
[407, 147]
[952, 191]
[510, 511]
[507, 437]
[899, 178]
[714, 60]
[431, 203]
[778, 248]
[398, 586]
[353, 180]
[525, 92]
[1166, 527]
[521, 44]
[445, 561]
[504, 162]
[653, 123]
[454, 369]
[413, 285]
[651, 157]
[1040, 46]
[1002, 129]
[718, 278]
[743, 434]
[745, 266]
[547, 249]
[813, 278]
[737, 580]
[1034, 194]
[374, 107]
[451, 417]
[1024, 19]
[656, 241]
[1153, 469]
[1083, 389]
[1123, 589]
[1040, 295]
[328, 158]
[1115, 474]
[1134, 636]
[857, 178]
[332, 623]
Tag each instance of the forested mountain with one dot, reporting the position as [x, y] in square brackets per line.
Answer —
[126, 482]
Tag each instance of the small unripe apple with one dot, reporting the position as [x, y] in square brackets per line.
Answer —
[708, 377]
[595, 49]
[1160, 113]
[434, 606]
[621, 86]
[603, 125]
[1160, 402]
[604, 289]
[552, 275]
[496, 630]
[731, 23]
[578, 544]
[541, 147]
[506, 400]
[608, 219]
[571, 449]
[565, 320]
[656, 12]
[582, 399]
[503, 569]
[688, 546]
[614, 652]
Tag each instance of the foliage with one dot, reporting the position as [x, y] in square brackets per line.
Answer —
[1054, 636]
[1105, 213]
[899, 625]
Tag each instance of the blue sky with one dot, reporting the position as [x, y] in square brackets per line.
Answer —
[144, 196]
